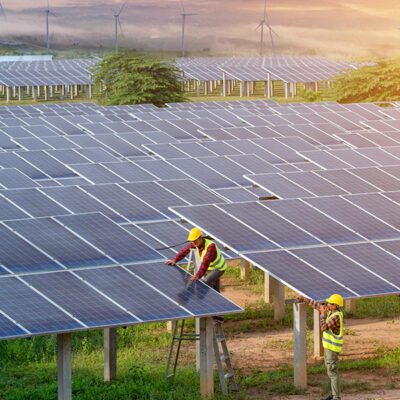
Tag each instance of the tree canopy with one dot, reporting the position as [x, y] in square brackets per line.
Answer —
[132, 79]
[380, 82]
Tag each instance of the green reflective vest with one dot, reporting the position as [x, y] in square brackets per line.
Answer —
[331, 341]
[219, 262]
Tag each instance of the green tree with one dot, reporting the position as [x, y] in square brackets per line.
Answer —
[380, 82]
[130, 79]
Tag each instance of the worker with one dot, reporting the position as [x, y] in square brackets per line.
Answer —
[210, 256]
[331, 324]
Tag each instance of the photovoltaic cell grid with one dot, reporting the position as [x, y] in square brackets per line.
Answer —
[290, 136]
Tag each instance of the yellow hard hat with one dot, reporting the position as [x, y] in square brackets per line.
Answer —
[336, 299]
[194, 234]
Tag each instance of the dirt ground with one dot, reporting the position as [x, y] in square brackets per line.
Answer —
[258, 350]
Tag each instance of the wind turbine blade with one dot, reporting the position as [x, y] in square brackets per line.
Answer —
[271, 30]
[122, 7]
[2, 11]
[259, 26]
[51, 13]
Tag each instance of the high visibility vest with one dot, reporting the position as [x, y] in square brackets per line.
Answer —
[219, 262]
[331, 341]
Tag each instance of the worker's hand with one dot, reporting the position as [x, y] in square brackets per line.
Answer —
[170, 262]
[300, 299]
[194, 278]
[323, 310]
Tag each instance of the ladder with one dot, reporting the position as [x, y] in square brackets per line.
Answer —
[221, 354]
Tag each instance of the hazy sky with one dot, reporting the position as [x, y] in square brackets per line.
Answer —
[365, 28]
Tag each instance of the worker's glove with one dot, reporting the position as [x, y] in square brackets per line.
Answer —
[170, 262]
[194, 278]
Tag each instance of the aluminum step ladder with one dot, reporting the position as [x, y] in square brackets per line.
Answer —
[221, 354]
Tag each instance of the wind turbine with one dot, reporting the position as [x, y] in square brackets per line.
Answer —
[184, 15]
[117, 23]
[265, 23]
[48, 13]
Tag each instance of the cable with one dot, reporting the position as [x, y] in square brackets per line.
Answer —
[171, 247]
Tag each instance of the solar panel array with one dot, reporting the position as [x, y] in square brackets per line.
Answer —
[281, 68]
[92, 195]
[22, 73]
[31, 72]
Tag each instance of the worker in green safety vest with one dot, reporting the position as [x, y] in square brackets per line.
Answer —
[331, 323]
[212, 262]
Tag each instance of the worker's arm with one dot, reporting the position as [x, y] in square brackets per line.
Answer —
[181, 255]
[314, 304]
[332, 325]
[209, 257]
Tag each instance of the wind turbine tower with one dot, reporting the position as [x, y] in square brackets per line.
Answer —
[117, 26]
[48, 13]
[265, 23]
[184, 15]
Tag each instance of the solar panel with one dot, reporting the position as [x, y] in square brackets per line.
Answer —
[96, 173]
[298, 275]
[133, 294]
[80, 300]
[59, 243]
[47, 164]
[109, 238]
[348, 181]
[124, 203]
[375, 259]
[79, 202]
[191, 192]
[18, 256]
[279, 185]
[12, 178]
[161, 169]
[354, 218]
[225, 228]
[155, 195]
[202, 173]
[35, 203]
[11, 160]
[40, 317]
[128, 171]
[347, 272]
[197, 298]
[311, 220]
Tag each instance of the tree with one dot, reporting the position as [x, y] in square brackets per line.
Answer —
[380, 82]
[131, 79]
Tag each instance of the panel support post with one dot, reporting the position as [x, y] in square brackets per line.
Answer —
[110, 354]
[64, 365]
[224, 84]
[244, 270]
[269, 283]
[300, 348]
[279, 301]
[350, 305]
[318, 349]
[206, 357]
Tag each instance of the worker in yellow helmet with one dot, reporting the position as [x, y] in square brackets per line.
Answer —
[331, 323]
[212, 261]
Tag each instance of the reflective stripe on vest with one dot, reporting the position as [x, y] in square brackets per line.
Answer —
[331, 341]
[219, 262]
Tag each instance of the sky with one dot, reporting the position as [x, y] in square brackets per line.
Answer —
[333, 28]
